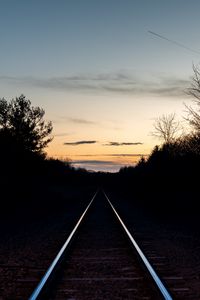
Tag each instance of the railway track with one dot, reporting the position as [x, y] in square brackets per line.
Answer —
[100, 260]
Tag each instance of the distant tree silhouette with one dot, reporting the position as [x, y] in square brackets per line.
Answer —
[24, 125]
[189, 144]
[194, 91]
[141, 161]
[166, 128]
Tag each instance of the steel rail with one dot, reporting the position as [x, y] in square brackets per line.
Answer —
[40, 287]
[152, 272]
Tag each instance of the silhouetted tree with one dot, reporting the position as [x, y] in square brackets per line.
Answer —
[194, 91]
[166, 128]
[24, 124]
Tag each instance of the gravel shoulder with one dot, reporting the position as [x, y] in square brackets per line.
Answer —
[173, 247]
[27, 248]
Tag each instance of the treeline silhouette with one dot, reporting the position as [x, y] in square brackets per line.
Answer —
[30, 183]
[166, 183]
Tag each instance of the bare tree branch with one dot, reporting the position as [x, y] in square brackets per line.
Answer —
[194, 115]
[166, 128]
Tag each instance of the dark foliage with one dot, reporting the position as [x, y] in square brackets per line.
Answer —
[167, 183]
[24, 124]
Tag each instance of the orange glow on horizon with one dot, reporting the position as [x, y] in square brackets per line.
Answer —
[97, 156]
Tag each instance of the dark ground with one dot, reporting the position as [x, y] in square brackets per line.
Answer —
[174, 242]
[28, 244]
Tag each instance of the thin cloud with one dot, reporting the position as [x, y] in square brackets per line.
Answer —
[99, 162]
[61, 119]
[81, 121]
[111, 155]
[99, 165]
[77, 143]
[127, 155]
[94, 162]
[112, 83]
[62, 134]
[122, 144]
[106, 155]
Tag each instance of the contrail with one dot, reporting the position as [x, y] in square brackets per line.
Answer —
[174, 42]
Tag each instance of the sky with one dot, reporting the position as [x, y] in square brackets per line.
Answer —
[102, 70]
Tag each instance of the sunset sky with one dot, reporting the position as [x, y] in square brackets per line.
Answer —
[102, 70]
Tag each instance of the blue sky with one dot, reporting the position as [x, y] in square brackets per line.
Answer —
[49, 38]
[96, 70]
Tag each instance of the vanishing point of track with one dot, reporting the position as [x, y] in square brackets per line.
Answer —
[100, 260]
